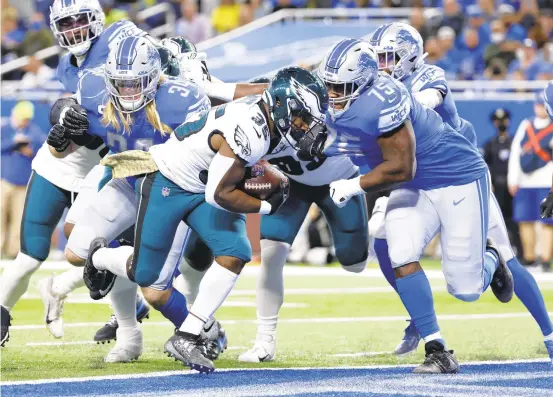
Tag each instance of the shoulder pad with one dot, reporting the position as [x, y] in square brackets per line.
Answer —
[91, 89]
[249, 137]
[67, 73]
[177, 99]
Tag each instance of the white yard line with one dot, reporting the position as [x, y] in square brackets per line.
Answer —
[374, 319]
[361, 354]
[90, 342]
[192, 373]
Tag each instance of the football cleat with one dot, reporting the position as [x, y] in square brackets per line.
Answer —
[128, 346]
[99, 282]
[190, 350]
[261, 352]
[216, 339]
[109, 331]
[549, 347]
[438, 360]
[53, 307]
[410, 340]
[5, 320]
[502, 283]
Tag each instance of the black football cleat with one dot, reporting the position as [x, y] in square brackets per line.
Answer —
[5, 320]
[109, 331]
[502, 284]
[190, 350]
[216, 336]
[99, 282]
[438, 360]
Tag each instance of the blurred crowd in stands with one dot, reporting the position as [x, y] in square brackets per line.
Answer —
[469, 39]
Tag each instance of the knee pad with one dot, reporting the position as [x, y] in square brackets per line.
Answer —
[467, 297]
[355, 268]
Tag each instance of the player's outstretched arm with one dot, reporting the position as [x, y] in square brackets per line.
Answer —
[399, 165]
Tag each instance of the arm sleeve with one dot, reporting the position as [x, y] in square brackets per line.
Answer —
[429, 98]
[514, 170]
[393, 115]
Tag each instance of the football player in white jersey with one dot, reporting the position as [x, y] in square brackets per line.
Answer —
[198, 171]
[400, 53]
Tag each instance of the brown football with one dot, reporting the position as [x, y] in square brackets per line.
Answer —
[265, 180]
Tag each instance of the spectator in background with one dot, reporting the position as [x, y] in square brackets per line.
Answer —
[112, 13]
[37, 74]
[418, 21]
[226, 16]
[545, 20]
[195, 27]
[545, 72]
[496, 70]
[529, 182]
[496, 154]
[37, 38]
[20, 141]
[453, 16]
[514, 31]
[251, 10]
[12, 33]
[344, 4]
[471, 64]
[477, 20]
[498, 46]
[528, 60]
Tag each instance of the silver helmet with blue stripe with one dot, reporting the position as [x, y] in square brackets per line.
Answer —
[76, 23]
[399, 47]
[347, 70]
[132, 72]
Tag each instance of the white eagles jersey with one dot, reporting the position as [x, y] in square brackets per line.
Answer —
[311, 173]
[68, 172]
[186, 156]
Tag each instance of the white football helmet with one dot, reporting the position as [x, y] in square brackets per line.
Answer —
[132, 74]
[76, 23]
[399, 47]
[348, 68]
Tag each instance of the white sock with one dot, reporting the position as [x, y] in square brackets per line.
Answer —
[431, 337]
[113, 259]
[15, 279]
[214, 289]
[188, 282]
[548, 337]
[123, 301]
[270, 286]
[67, 282]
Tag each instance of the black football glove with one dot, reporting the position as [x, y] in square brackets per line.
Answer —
[279, 197]
[546, 206]
[58, 138]
[312, 148]
[67, 112]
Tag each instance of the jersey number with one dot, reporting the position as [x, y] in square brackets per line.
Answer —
[383, 92]
[291, 166]
[121, 142]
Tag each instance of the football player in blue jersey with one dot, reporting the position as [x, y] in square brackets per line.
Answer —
[130, 105]
[399, 48]
[438, 179]
[546, 206]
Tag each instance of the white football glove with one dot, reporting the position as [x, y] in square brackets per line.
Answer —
[344, 189]
[192, 69]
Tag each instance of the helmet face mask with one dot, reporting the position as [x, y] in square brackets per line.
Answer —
[75, 26]
[132, 74]
[297, 103]
[347, 70]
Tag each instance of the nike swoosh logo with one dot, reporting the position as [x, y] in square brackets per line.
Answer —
[455, 203]
[262, 359]
[48, 321]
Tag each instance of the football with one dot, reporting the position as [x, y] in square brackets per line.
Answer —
[265, 179]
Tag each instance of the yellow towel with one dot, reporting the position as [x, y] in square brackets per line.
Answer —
[130, 163]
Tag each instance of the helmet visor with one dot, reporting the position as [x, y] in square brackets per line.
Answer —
[73, 30]
[127, 93]
[387, 59]
[339, 93]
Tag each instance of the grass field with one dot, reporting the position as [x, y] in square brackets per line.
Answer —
[330, 319]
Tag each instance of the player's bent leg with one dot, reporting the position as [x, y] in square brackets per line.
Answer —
[411, 222]
[197, 258]
[278, 232]
[225, 234]
[43, 208]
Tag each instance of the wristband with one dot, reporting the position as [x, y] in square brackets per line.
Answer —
[265, 208]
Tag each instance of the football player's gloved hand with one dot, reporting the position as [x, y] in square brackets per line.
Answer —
[191, 69]
[344, 189]
[546, 206]
[279, 197]
[312, 148]
[67, 112]
[57, 138]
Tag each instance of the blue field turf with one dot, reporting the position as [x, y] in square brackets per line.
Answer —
[524, 379]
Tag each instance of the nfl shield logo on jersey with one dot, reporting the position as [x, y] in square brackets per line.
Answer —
[165, 191]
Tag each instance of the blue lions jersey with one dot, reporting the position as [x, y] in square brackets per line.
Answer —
[174, 100]
[431, 76]
[548, 97]
[68, 72]
[443, 156]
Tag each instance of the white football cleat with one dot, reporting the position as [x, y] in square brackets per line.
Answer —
[53, 307]
[261, 352]
[128, 346]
